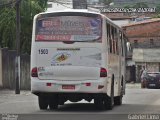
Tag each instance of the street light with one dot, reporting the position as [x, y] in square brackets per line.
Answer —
[17, 60]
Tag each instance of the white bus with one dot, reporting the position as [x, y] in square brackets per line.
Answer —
[75, 55]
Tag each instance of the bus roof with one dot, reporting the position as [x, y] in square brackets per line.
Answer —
[71, 10]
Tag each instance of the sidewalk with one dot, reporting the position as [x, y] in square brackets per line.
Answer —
[4, 92]
[133, 85]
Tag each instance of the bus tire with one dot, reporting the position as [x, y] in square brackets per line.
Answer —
[43, 102]
[53, 103]
[109, 101]
[118, 100]
[99, 103]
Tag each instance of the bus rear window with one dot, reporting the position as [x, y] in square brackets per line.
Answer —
[68, 28]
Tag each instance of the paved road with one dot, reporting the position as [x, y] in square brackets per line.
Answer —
[136, 101]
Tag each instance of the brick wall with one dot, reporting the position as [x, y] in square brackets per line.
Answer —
[144, 34]
[143, 29]
[145, 42]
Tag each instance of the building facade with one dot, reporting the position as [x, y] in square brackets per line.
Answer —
[145, 42]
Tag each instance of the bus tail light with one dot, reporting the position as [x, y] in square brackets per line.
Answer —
[103, 72]
[34, 72]
[49, 84]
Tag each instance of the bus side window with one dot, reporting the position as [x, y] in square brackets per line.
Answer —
[116, 41]
[112, 40]
[109, 38]
[121, 40]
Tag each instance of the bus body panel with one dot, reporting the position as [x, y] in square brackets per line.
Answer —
[66, 63]
[81, 68]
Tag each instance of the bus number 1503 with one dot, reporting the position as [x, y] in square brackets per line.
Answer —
[43, 51]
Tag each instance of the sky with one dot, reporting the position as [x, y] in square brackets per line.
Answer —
[56, 6]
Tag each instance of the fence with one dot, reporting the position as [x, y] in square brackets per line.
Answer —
[8, 69]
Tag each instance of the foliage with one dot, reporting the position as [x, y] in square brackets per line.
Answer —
[157, 16]
[7, 27]
[106, 2]
[158, 9]
[140, 5]
[127, 6]
[28, 9]
[137, 5]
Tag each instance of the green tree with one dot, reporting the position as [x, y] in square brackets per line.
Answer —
[28, 9]
[140, 5]
[156, 16]
[7, 27]
[106, 2]
[127, 6]
[158, 9]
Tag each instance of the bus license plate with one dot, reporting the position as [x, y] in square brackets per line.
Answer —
[68, 87]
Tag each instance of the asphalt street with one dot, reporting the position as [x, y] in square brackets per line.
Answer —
[136, 101]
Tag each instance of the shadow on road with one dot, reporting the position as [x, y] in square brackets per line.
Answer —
[90, 108]
[78, 107]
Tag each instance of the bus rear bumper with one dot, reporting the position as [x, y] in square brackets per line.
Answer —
[55, 86]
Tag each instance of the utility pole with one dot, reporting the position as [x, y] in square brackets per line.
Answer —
[17, 61]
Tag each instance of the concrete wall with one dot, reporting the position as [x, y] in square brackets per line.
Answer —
[25, 72]
[8, 69]
[153, 67]
[146, 55]
[148, 58]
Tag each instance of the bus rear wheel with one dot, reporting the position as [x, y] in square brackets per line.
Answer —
[109, 101]
[53, 103]
[118, 100]
[105, 103]
[99, 103]
[43, 102]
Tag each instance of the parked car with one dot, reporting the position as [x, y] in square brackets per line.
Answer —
[150, 80]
